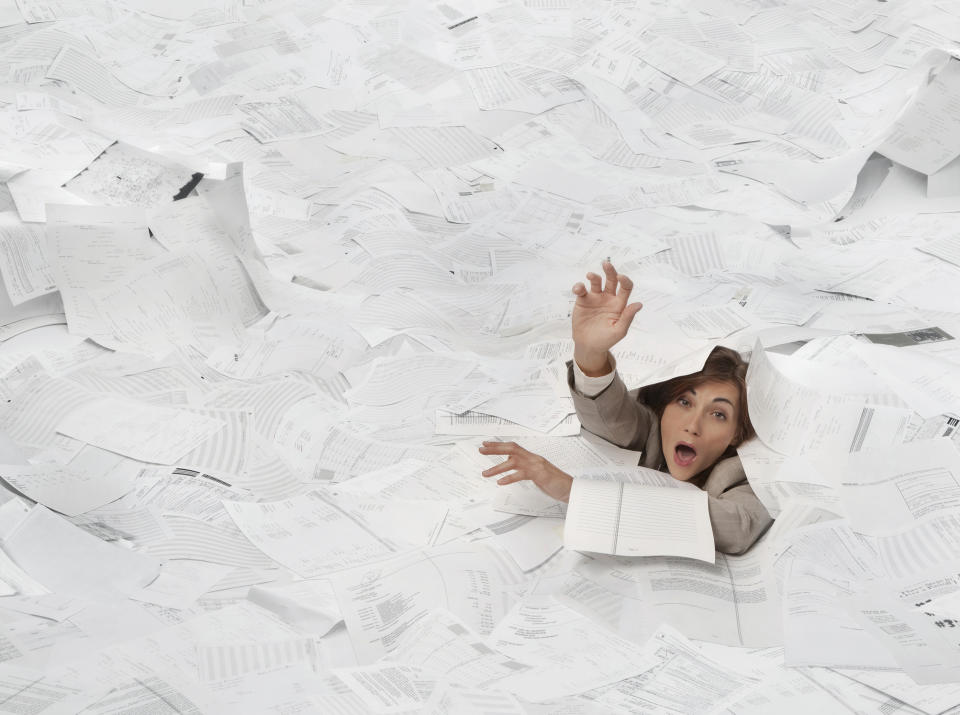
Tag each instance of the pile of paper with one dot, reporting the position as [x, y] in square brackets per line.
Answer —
[239, 429]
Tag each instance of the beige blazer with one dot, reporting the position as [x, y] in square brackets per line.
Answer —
[616, 414]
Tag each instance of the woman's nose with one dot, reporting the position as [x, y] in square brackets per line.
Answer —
[693, 425]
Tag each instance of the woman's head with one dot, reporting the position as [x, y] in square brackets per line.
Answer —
[703, 416]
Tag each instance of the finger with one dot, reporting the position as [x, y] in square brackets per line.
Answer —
[595, 282]
[627, 316]
[511, 478]
[626, 287]
[579, 289]
[611, 274]
[505, 466]
[499, 448]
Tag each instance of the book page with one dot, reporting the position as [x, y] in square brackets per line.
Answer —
[638, 520]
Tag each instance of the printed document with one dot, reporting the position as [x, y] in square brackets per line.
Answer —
[146, 432]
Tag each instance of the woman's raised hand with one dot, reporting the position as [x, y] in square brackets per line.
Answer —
[601, 317]
[527, 465]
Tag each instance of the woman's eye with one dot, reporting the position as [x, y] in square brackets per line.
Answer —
[720, 415]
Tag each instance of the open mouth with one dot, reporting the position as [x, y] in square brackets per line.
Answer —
[684, 454]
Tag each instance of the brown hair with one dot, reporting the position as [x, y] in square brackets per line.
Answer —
[722, 365]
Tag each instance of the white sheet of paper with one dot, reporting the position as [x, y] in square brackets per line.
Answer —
[91, 77]
[284, 118]
[396, 379]
[927, 698]
[67, 560]
[815, 606]
[927, 137]
[23, 259]
[549, 176]
[793, 417]
[196, 224]
[638, 520]
[124, 175]
[446, 647]
[139, 430]
[532, 542]
[924, 545]
[294, 686]
[382, 601]
[471, 701]
[13, 579]
[571, 653]
[478, 424]
[92, 249]
[945, 247]
[887, 490]
[387, 688]
[311, 535]
[314, 450]
[77, 487]
[684, 680]
[526, 498]
[535, 408]
[218, 661]
[199, 539]
[51, 605]
[190, 301]
[308, 606]
[923, 649]
[685, 62]
[732, 602]
[718, 321]
[181, 582]
[929, 384]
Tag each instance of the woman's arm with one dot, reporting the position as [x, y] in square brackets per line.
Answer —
[616, 415]
[601, 317]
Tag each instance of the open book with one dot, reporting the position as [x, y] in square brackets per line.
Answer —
[638, 520]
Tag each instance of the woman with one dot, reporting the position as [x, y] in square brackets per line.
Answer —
[689, 426]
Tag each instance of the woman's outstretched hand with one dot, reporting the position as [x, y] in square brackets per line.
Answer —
[527, 465]
[601, 317]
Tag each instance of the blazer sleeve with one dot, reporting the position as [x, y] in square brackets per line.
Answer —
[738, 519]
[617, 416]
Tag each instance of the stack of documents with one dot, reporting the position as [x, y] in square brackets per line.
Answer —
[271, 271]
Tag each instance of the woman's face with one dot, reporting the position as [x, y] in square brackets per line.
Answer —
[698, 426]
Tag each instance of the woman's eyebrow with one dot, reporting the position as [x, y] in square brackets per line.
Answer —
[723, 399]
